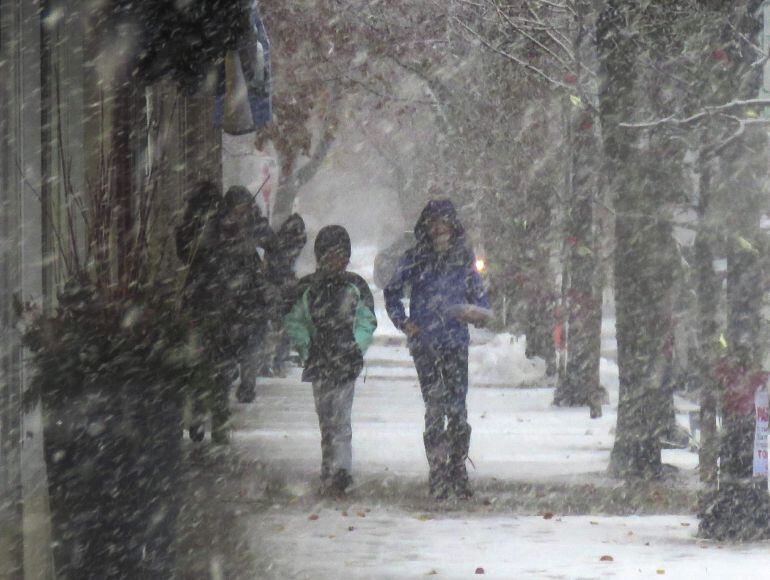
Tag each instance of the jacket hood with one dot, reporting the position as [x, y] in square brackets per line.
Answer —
[292, 234]
[332, 238]
[204, 197]
[438, 208]
[238, 195]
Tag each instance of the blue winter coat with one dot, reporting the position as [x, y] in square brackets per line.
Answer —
[436, 282]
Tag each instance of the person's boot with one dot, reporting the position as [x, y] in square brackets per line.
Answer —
[438, 468]
[245, 393]
[461, 441]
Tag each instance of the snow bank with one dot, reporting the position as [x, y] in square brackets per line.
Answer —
[502, 362]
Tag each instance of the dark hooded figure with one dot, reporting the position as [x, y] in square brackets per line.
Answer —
[251, 300]
[289, 241]
[200, 248]
[281, 259]
[198, 245]
[439, 271]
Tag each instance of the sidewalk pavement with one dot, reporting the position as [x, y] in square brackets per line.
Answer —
[539, 472]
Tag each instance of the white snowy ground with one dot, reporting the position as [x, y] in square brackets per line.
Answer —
[390, 543]
[517, 437]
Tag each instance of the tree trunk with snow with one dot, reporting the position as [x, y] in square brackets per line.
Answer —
[636, 452]
[579, 385]
[708, 291]
[739, 507]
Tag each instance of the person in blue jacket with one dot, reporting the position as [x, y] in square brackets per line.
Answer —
[331, 325]
[442, 281]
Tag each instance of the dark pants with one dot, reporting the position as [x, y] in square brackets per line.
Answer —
[249, 360]
[209, 385]
[210, 394]
[443, 375]
[334, 405]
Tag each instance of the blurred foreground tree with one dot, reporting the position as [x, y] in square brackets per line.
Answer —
[738, 506]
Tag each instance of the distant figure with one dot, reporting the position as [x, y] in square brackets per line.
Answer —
[289, 241]
[199, 246]
[446, 294]
[331, 325]
[251, 302]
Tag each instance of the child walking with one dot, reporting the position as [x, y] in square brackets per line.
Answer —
[331, 325]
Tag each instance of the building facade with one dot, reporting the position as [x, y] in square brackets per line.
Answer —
[67, 130]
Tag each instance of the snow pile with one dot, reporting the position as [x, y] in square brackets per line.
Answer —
[502, 362]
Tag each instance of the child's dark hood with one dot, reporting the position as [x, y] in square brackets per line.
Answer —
[438, 208]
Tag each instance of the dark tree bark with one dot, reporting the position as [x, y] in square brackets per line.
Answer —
[739, 507]
[640, 283]
[708, 291]
[579, 385]
[537, 284]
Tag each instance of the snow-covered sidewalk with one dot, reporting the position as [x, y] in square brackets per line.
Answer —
[544, 507]
[517, 434]
[389, 527]
[383, 543]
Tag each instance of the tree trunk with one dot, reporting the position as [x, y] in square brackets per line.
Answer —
[636, 452]
[539, 279]
[580, 383]
[638, 235]
[708, 289]
[739, 507]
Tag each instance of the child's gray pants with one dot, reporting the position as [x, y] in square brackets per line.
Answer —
[334, 404]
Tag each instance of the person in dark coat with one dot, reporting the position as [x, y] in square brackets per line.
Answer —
[199, 245]
[439, 271]
[281, 259]
[331, 325]
[251, 300]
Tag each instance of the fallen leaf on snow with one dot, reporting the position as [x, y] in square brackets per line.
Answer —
[660, 571]
[593, 523]
[547, 515]
[312, 517]
[606, 558]
[361, 514]
[685, 524]
[480, 570]
[351, 528]
[432, 573]
[344, 514]
[424, 517]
